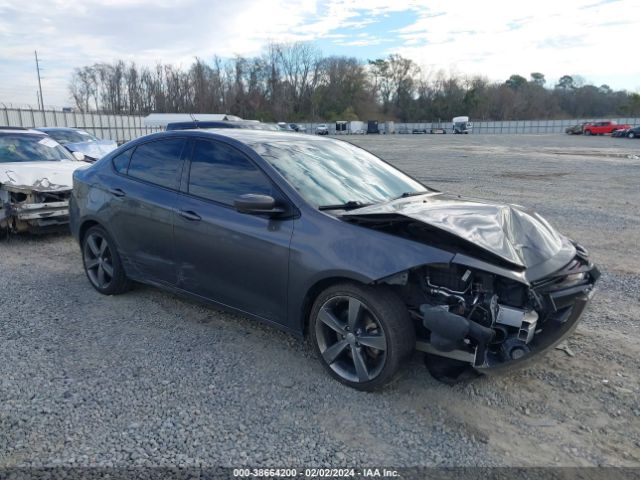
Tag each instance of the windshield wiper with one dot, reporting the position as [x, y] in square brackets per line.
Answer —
[350, 205]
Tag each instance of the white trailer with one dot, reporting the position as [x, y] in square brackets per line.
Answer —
[356, 127]
[461, 125]
[389, 127]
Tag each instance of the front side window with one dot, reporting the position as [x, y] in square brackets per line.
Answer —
[221, 173]
[158, 162]
[335, 172]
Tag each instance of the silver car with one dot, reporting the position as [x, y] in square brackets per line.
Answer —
[76, 140]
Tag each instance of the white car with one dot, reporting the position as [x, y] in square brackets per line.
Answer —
[322, 129]
[35, 180]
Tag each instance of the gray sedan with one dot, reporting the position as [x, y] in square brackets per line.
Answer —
[321, 238]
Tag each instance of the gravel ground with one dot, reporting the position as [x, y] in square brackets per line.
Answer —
[148, 378]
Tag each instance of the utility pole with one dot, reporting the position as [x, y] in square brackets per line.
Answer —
[39, 82]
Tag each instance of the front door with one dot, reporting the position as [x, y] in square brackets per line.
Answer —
[233, 258]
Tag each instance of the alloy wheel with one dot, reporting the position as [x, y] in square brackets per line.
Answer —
[98, 260]
[351, 339]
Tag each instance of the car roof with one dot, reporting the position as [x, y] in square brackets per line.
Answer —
[190, 125]
[248, 137]
[59, 129]
[261, 136]
[21, 130]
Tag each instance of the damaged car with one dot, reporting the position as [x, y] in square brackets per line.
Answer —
[80, 141]
[35, 181]
[322, 238]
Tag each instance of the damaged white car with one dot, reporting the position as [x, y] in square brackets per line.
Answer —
[35, 181]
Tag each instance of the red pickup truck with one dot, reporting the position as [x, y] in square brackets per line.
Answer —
[604, 127]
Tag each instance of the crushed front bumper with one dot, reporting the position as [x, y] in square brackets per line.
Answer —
[557, 327]
[561, 300]
[33, 216]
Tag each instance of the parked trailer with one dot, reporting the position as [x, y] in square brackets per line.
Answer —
[372, 127]
[461, 125]
[389, 127]
[356, 127]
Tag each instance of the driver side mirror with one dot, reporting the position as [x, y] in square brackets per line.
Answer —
[78, 156]
[253, 204]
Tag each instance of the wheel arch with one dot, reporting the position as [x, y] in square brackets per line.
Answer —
[316, 289]
[90, 222]
[85, 226]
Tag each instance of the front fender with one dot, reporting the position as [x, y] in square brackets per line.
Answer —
[332, 249]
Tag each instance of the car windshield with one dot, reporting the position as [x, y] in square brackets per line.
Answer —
[15, 147]
[335, 172]
[71, 136]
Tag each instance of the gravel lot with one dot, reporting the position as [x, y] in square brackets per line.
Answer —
[148, 378]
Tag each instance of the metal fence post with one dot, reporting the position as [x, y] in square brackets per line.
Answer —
[101, 125]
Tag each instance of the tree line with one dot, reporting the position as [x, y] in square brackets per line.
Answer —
[295, 82]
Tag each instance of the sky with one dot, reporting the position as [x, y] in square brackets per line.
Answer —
[490, 37]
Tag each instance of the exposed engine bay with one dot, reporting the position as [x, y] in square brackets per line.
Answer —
[475, 312]
[23, 209]
[487, 321]
[513, 288]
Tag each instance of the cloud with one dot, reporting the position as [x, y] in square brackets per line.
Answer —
[546, 36]
[473, 37]
[73, 33]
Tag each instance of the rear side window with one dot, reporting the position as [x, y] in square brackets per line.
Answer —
[221, 173]
[158, 162]
[121, 161]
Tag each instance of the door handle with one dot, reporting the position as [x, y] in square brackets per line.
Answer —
[117, 192]
[190, 215]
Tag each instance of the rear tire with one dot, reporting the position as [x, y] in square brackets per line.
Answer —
[631, 135]
[587, 133]
[102, 263]
[362, 334]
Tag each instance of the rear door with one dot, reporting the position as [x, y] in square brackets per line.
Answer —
[142, 205]
[236, 259]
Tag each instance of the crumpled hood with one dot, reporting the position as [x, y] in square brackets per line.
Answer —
[39, 176]
[513, 233]
[95, 150]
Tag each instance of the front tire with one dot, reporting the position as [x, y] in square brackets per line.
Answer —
[361, 334]
[587, 133]
[631, 135]
[102, 263]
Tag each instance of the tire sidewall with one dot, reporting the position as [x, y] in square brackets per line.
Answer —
[393, 358]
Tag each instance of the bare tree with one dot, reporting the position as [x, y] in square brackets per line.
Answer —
[294, 82]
